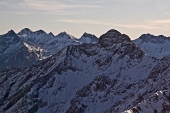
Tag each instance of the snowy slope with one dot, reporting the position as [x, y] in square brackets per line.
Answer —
[154, 46]
[90, 78]
[45, 45]
[153, 95]
[157, 103]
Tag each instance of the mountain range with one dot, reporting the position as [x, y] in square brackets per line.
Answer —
[27, 47]
[109, 74]
[154, 46]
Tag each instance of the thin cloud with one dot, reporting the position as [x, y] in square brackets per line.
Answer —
[51, 7]
[163, 24]
[133, 1]
[3, 3]
[12, 4]
[97, 22]
[162, 21]
[55, 5]
[17, 12]
[88, 2]
[21, 12]
[84, 21]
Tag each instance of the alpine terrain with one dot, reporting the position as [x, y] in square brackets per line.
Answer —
[27, 47]
[154, 46]
[110, 76]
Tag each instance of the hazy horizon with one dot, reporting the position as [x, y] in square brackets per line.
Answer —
[132, 17]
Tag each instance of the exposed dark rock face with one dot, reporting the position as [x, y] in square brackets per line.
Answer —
[113, 37]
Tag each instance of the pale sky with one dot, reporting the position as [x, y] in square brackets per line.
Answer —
[131, 17]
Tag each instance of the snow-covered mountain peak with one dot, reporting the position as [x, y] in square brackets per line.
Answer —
[24, 32]
[154, 46]
[113, 37]
[113, 31]
[86, 34]
[10, 37]
[88, 38]
[64, 35]
[40, 32]
[10, 33]
[51, 34]
[27, 29]
[154, 39]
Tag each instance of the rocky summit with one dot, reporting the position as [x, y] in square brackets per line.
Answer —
[113, 37]
[110, 76]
